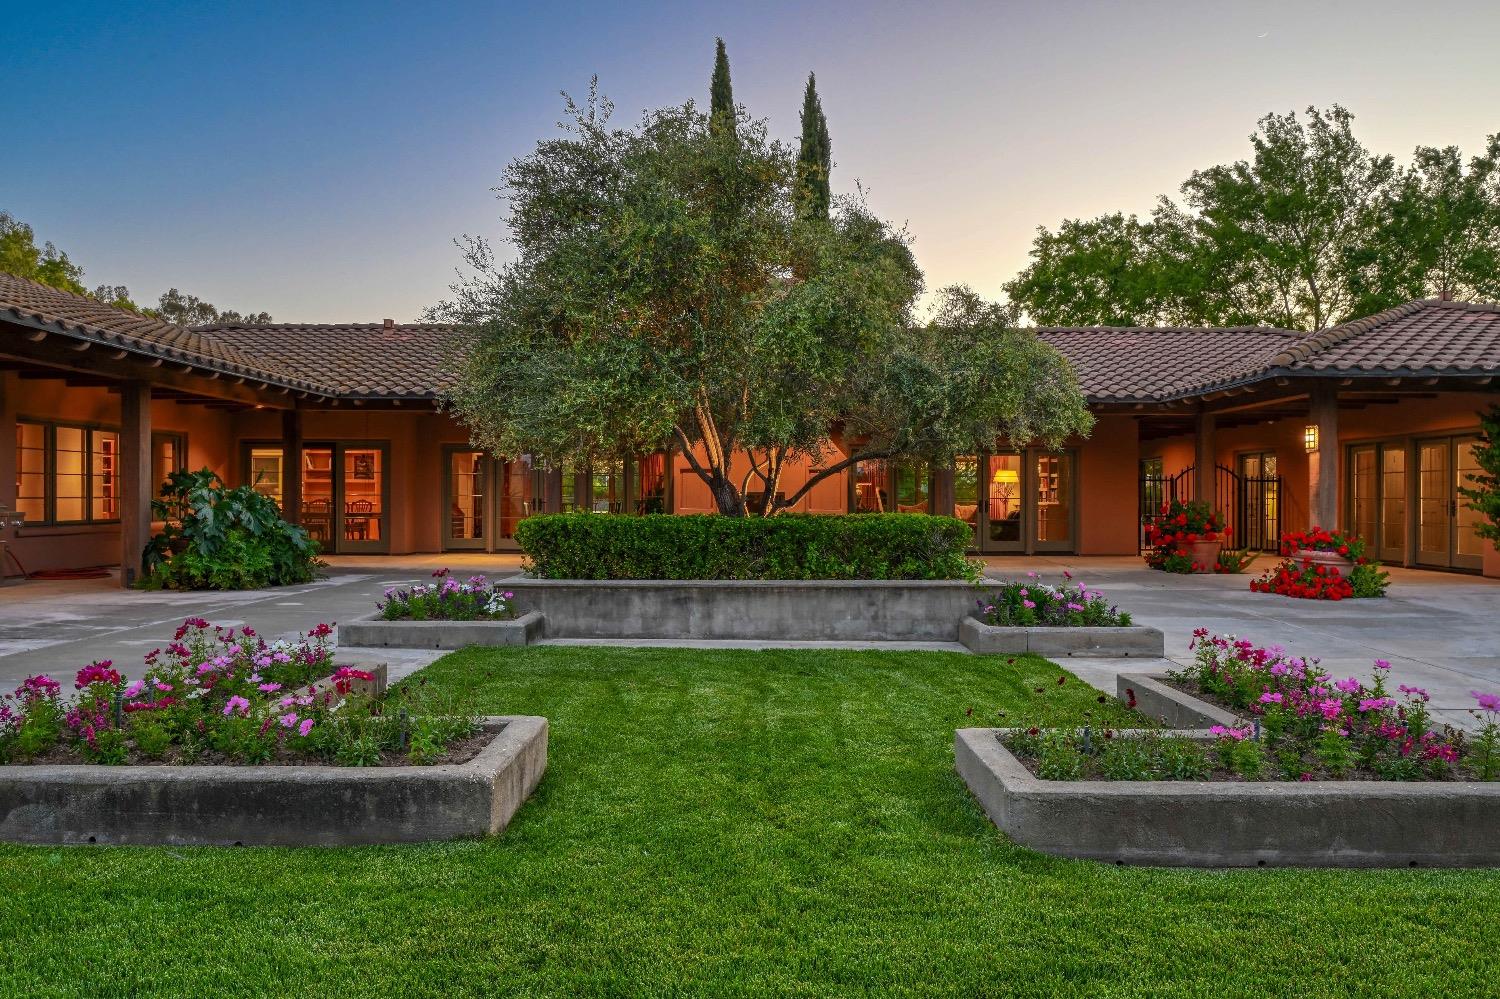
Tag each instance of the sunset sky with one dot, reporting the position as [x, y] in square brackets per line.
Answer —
[317, 160]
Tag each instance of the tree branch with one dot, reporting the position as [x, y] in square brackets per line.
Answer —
[834, 469]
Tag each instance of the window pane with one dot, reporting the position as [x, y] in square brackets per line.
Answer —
[104, 472]
[1362, 492]
[68, 475]
[1467, 541]
[1005, 498]
[1393, 497]
[1054, 498]
[31, 471]
[265, 472]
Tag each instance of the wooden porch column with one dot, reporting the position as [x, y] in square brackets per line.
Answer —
[1323, 464]
[135, 478]
[1205, 481]
[291, 466]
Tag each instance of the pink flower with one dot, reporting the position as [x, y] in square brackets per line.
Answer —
[134, 689]
[1377, 703]
[305, 727]
[288, 720]
[237, 703]
[269, 688]
[1270, 697]
[1237, 734]
[1348, 685]
[1487, 702]
[1382, 664]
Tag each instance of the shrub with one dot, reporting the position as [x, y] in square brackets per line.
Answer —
[475, 599]
[1181, 524]
[709, 546]
[217, 538]
[1032, 603]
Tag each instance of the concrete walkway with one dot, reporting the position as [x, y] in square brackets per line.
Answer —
[1438, 630]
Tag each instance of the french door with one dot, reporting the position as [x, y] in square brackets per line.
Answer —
[466, 524]
[1378, 498]
[1447, 535]
[1018, 501]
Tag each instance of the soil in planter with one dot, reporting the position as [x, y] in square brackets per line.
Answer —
[459, 751]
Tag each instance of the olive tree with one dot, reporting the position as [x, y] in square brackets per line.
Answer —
[664, 291]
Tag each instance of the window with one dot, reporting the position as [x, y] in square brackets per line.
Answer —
[168, 455]
[67, 474]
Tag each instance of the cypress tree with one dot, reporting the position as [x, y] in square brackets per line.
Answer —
[814, 159]
[720, 94]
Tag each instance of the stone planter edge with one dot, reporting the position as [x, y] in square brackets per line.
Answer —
[1155, 698]
[375, 632]
[1133, 641]
[1229, 824]
[313, 805]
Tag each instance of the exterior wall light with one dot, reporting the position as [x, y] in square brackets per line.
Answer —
[1310, 437]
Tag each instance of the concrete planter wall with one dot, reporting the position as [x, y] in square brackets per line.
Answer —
[375, 632]
[1227, 824]
[1155, 699]
[1112, 643]
[808, 610]
[277, 805]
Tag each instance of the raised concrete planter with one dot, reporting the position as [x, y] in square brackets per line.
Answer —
[1230, 824]
[1111, 643]
[375, 632]
[755, 610]
[277, 805]
[1155, 699]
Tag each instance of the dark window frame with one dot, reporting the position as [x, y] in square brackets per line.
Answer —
[49, 470]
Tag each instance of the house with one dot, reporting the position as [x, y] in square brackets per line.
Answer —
[1366, 426]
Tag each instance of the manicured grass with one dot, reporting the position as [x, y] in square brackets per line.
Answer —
[734, 824]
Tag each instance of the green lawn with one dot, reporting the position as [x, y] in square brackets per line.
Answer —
[734, 823]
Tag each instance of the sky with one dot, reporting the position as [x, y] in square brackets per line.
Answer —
[317, 160]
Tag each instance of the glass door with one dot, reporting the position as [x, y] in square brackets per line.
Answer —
[1446, 535]
[1004, 514]
[1391, 539]
[1364, 492]
[521, 494]
[363, 509]
[318, 514]
[1053, 491]
[467, 497]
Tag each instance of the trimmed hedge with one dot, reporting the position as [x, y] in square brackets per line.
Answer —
[709, 546]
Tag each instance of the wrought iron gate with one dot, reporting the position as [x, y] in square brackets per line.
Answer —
[1250, 503]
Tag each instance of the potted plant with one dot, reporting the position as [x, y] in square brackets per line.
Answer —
[1186, 538]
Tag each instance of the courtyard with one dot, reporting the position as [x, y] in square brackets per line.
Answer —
[1436, 629]
[734, 823]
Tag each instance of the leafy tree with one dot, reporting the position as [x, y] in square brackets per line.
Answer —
[190, 310]
[1312, 230]
[45, 264]
[663, 292]
[720, 93]
[1441, 232]
[19, 255]
[814, 157]
[1483, 497]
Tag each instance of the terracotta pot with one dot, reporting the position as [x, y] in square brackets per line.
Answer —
[1205, 554]
[1323, 558]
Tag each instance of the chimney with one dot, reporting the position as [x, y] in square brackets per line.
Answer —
[390, 324]
[1446, 295]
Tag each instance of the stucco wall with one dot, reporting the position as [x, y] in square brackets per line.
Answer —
[1108, 488]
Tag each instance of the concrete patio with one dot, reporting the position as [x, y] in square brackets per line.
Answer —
[1440, 631]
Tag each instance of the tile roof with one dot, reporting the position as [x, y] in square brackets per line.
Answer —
[1428, 336]
[42, 307]
[363, 360]
[1114, 364]
[1154, 363]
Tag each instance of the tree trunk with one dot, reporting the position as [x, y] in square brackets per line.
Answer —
[726, 497]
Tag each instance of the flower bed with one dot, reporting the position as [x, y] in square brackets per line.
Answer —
[1323, 565]
[219, 696]
[1065, 620]
[1186, 538]
[1032, 603]
[1302, 724]
[449, 599]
